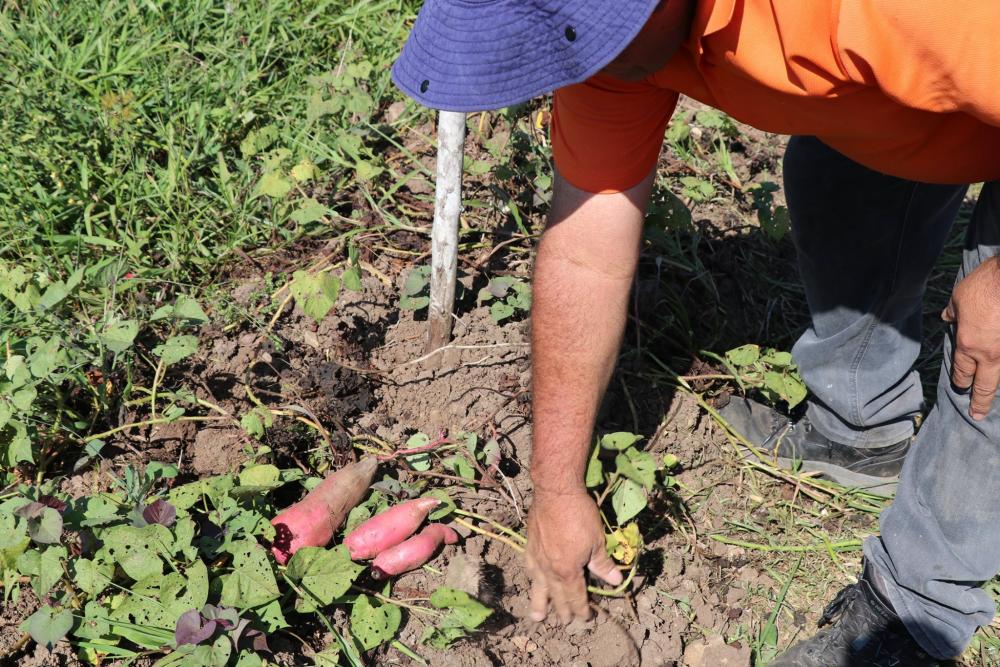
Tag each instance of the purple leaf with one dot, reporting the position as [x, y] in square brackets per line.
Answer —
[245, 637]
[45, 524]
[258, 641]
[161, 512]
[30, 511]
[226, 617]
[53, 502]
[191, 628]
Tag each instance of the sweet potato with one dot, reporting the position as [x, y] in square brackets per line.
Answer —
[312, 521]
[388, 528]
[414, 552]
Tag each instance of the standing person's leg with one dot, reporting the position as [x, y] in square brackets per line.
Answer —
[866, 243]
[940, 538]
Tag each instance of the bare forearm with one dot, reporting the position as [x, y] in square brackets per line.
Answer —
[582, 278]
[577, 324]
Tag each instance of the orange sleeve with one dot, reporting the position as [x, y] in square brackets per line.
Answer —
[607, 134]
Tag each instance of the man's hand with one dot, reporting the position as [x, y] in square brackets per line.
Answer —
[565, 534]
[974, 309]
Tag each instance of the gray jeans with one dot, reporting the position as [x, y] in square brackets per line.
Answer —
[866, 244]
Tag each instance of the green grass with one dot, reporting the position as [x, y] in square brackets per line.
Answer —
[121, 123]
[145, 144]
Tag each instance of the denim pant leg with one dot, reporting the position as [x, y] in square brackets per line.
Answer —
[866, 244]
[941, 536]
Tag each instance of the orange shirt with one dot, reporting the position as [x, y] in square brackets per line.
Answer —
[910, 88]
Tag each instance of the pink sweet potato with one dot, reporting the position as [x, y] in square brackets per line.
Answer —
[388, 528]
[312, 521]
[414, 552]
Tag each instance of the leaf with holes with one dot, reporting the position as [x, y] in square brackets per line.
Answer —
[373, 623]
[628, 499]
[624, 543]
[315, 293]
[92, 576]
[521, 298]
[638, 466]
[137, 550]
[252, 582]
[324, 574]
[159, 602]
[777, 358]
[619, 441]
[464, 615]
[94, 623]
[744, 355]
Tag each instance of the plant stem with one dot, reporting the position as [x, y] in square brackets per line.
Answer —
[412, 607]
[482, 531]
[430, 447]
[374, 439]
[152, 391]
[499, 526]
[619, 590]
[149, 422]
[808, 486]
[407, 651]
[344, 644]
[843, 545]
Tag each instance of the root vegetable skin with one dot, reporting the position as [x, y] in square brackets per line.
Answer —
[414, 552]
[388, 528]
[312, 521]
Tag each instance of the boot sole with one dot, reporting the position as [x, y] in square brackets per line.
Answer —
[883, 486]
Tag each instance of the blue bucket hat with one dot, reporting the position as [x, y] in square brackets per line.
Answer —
[474, 55]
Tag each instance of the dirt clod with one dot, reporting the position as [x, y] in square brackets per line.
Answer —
[715, 653]
[217, 451]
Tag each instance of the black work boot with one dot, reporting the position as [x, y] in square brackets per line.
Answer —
[866, 632]
[799, 445]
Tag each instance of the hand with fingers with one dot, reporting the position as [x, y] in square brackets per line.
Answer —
[974, 310]
[565, 535]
